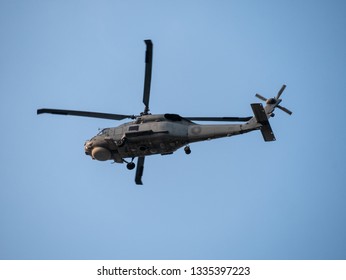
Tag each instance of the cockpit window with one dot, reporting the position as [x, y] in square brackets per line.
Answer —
[103, 131]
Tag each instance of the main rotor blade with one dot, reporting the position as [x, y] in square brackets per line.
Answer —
[139, 171]
[147, 77]
[85, 114]
[219, 119]
[280, 91]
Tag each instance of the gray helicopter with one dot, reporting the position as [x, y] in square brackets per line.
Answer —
[151, 134]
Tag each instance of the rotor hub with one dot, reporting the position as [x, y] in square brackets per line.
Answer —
[271, 101]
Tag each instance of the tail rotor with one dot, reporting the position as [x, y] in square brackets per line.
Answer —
[275, 101]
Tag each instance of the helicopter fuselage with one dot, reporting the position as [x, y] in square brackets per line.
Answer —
[155, 134]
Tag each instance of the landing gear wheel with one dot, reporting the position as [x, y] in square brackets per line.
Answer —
[187, 150]
[131, 165]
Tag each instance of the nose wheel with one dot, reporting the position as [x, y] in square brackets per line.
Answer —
[187, 150]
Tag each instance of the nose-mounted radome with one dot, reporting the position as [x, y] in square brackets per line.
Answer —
[96, 152]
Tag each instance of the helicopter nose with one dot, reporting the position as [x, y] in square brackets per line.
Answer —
[88, 147]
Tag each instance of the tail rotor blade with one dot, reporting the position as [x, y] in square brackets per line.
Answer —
[261, 97]
[280, 91]
[147, 77]
[284, 109]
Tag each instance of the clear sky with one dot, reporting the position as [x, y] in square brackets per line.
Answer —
[233, 198]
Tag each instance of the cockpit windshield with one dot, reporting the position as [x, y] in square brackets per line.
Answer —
[103, 131]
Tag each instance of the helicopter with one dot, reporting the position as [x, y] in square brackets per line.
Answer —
[152, 134]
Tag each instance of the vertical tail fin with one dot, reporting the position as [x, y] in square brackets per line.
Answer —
[262, 118]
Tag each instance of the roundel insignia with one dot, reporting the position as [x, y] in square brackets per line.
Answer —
[196, 130]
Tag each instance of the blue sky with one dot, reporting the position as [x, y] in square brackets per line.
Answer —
[234, 198]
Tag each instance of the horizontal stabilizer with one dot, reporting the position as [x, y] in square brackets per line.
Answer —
[261, 117]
